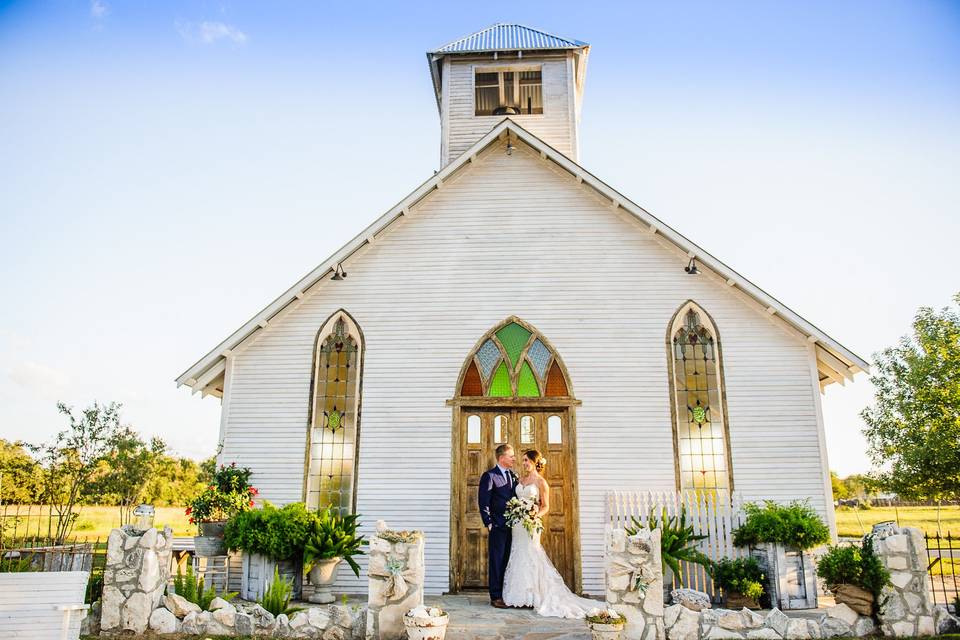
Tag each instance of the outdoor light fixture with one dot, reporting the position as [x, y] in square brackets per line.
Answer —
[509, 145]
[691, 267]
[339, 273]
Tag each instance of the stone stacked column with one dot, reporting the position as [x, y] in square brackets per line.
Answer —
[634, 579]
[134, 578]
[396, 573]
[905, 606]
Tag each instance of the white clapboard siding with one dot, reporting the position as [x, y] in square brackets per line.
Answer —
[511, 236]
[32, 604]
[555, 125]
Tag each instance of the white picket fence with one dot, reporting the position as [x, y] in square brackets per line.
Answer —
[714, 514]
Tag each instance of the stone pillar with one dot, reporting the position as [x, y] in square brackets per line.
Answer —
[395, 572]
[905, 606]
[134, 577]
[635, 582]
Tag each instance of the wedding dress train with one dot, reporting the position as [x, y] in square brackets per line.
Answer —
[531, 579]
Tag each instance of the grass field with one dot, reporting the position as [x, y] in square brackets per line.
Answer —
[924, 518]
[94, 521]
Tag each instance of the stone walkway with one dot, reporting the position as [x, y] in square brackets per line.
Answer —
[472, 618]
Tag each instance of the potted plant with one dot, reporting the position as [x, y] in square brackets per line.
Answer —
[424, 623]
[605, 624]
[780, 537]
[678, 543]
[270, 538]
[228, 494]
[741, 580]
[855, 575]
[331, 538]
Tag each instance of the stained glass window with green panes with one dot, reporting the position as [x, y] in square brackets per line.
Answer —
[500, 383]
[527, 383]
[514, 338]
[334, 429]
[700, 431]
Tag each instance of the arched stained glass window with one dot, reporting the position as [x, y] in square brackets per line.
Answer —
[514, 361]
[336, 407]
[697, 384]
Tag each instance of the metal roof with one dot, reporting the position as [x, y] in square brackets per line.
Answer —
[508, 37]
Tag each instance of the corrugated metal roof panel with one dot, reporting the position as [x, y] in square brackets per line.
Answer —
[508, 37]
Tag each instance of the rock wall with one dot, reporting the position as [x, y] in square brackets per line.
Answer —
[395, 573]
[134, 578]
[634, 577]
[906, 608]
[683, 623]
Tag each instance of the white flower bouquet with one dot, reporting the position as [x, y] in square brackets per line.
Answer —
[524, 511]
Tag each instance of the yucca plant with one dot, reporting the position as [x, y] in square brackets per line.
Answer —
[678, 541]
[276, 598]
[192, 589]
[333, 536]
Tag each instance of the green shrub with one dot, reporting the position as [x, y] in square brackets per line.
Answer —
[193, 590]
[276, 598]
[677, 540]
[21, 564]
[228, 494]
[333, 536]
[742, 575]
[279, 534]
[854, 565]
[792, 525]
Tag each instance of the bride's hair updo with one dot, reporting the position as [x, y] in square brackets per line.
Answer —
[539, 462]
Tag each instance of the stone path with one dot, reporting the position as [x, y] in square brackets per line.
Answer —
[472, 618]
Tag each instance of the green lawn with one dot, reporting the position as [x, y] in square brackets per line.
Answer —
[924, 518]
[94, 521]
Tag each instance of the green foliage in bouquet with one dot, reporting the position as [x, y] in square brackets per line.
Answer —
[192, 589]
[859, 566]
[333, 536]
[792, 525]
[277, 596]
[678, 541]
[279, 534]
[742, 575]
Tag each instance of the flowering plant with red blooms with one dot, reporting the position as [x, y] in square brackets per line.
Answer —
[228, 494]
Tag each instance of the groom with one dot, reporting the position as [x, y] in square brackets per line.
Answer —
[496, 489]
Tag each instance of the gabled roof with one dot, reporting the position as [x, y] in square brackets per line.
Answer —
[508, 37]
[835, 362]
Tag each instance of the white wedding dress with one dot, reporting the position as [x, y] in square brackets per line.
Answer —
[531, 579]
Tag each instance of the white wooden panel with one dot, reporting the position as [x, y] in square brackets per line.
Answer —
[29, 603]
[554, 126]
[510, 235]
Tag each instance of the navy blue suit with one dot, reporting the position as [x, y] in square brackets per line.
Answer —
[494, 492]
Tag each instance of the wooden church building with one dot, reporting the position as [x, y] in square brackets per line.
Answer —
[658, 367]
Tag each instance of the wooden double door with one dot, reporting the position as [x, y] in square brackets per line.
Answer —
[480, 432]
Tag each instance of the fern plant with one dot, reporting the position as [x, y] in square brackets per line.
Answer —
[333, 536]
[678, 541]
[276, 598]
[192, 589]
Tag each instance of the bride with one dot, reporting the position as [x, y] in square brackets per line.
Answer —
[531, 579]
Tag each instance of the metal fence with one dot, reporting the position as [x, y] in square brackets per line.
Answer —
[943, 565]
[713, 514]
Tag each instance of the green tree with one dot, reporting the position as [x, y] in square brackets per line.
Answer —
[175, 481]
[71, 458]
[840, 491]
[913, 428]
[126, 469]
[20, 475]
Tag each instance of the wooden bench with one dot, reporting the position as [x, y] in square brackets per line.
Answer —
[42, 605]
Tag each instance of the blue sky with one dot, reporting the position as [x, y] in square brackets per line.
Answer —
[168, 168]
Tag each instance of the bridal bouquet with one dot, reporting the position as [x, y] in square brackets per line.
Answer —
[524, 511]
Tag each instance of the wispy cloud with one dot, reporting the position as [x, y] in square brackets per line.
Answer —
[209, 32]
[38, 377]
[99, 9]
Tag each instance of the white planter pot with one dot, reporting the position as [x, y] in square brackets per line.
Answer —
[433, 628]
[322, 576]
[605, 631]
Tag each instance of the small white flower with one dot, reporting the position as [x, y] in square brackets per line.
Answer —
[418, 612]
[594, 612]
[381, 526]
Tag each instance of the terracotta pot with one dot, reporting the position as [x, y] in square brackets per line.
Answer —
[736, 600]
[322, 576]
[601, 631]
[432, 628]
[860, 600]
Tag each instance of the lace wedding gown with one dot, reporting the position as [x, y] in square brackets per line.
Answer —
[531, 579]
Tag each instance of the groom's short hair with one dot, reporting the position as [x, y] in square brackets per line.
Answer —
[502, 449]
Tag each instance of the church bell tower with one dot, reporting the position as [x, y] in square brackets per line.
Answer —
[509, 71]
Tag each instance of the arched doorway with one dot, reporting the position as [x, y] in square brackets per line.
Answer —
[513, 388]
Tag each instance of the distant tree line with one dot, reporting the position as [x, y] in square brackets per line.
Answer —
[97, 460]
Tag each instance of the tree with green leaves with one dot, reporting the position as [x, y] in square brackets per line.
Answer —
[20, 476]
[126, 470]
[913, 427]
